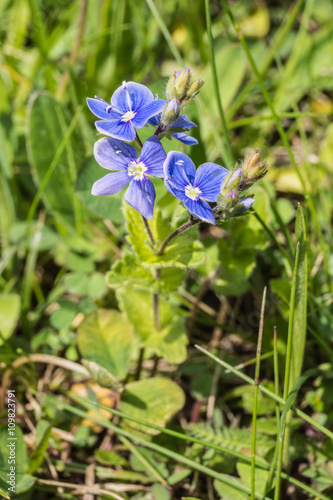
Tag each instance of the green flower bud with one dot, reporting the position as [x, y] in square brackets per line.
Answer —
[170, 113]
[170, 89]
[254, 168]
[182, 83]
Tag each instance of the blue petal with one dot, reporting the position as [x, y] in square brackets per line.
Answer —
[113, 154]
[110, 184]
[131, 96]
[247, 203]
[183, 122]
[100, 107]
[141, 196]
[116, 129]
[201, 210]
[153, 156]
[146, 112]
[185, 139]
[209, 178]
[155, 120]
[179, 171]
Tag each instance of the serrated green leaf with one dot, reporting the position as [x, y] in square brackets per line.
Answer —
[183, 251]
[171, 341]
[154, 400]
[106, 338]
[129, 272]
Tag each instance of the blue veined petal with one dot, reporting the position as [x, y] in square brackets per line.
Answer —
[247, 203]
[176, 192]
[131, 96]
[113, 154]
[185, 139]
[179, 171]
[183, 122]
[153, 156]
[110, 184]
[141, 196]
[144, 113]
[155, 120]
[100, 107]
[201, 210]
[116, 129]
[209, 178]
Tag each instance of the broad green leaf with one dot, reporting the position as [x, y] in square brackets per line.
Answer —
[129, 272]
[105, 338]
[10, 306]
[171, 341]
[231, 65]
[155, 400]
[228, 491]
[47, 126]
[261, 476]
[183, 251]
[36, 458]
[93, 285]
[300, 311]
[105, 207]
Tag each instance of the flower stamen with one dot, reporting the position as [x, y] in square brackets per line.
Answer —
[136, 170]
[128, 116]
[192, 192]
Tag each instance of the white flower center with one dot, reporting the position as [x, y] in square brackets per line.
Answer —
[128, 116]
[136, 170]
[192, 192]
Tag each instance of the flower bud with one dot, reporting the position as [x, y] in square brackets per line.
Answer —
[231, 182]
[254, 168]
[182, 83]
[170, 91]
[170, 113]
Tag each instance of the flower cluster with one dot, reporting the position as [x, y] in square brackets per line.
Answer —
[132, 107]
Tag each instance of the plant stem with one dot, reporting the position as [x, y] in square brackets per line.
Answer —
[256, 389]
[150, 234]
[177, 231]
[226, 146]
[269, 393]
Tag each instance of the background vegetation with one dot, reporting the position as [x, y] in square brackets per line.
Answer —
[197, 429]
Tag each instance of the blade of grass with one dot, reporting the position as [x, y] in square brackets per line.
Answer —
[269, 393]
[173, 49]
[255, 119]
[160, 449]
[283, 423]
[53, 165]
[255, 403]
[89, 404]
[143, 460]
[226, 146]
[278, 40]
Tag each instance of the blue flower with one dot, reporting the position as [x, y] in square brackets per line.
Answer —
[113, 154]
[132, 105]
[181, 122]
[193, 187]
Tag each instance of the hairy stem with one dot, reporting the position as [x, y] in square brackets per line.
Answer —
[150, 234]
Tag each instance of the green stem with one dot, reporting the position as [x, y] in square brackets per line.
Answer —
[226, 146]
[255, 405]
[269, 393]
